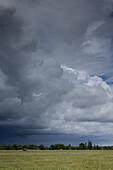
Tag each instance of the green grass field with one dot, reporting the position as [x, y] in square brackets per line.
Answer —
[78, 160]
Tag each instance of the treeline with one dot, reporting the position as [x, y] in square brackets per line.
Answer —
[82, 146]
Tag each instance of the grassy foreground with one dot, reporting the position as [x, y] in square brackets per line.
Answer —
[62, 160]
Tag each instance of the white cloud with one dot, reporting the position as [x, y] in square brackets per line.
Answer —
[94, 45]
[85, 107]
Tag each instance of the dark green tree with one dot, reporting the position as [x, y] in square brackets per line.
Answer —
[15, 147]
[51, 147]
[89, 145]
[41, 147]
[82, 146]
[8, 147]
[68, 147]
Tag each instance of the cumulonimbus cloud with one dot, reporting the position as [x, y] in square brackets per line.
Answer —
[56, 67]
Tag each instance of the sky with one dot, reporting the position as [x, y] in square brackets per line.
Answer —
[56, 71]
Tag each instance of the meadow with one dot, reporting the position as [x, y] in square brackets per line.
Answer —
[61, 159]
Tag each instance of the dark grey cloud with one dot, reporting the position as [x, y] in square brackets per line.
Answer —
[53, 57]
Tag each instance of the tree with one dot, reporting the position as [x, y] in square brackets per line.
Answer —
[68, 147]
[31, 146]
[89, 144]
[8, 147]
[15, 147]
[56, 146]
[82, 146]
[51, 147]
[41, 147]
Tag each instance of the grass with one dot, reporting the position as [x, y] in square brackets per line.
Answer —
[51, 160]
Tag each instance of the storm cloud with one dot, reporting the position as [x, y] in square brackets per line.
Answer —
[56, 71]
